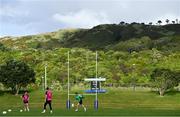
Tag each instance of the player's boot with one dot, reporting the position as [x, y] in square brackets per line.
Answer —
[51, 111]
[43, 111]
[76, 110]
[85, 109]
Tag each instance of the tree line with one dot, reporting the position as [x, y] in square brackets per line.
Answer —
[150, 67]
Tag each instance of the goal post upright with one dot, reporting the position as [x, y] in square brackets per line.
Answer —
[96, 100]
[68, 103]
[68, 76]
[96, 74]
[45, 76]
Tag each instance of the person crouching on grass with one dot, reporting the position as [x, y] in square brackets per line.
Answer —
[25, 99]
[79, 98]
[48, 100]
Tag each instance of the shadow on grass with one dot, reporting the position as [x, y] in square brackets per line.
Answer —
[154, 92]
[5, 92]
[167, 93]
[172, 92]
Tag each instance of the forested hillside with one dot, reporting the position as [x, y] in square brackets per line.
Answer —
[128, 53]
[122, 37]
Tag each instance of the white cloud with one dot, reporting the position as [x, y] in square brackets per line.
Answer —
[81, 19]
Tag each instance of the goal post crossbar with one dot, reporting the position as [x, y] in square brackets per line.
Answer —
[83, 94]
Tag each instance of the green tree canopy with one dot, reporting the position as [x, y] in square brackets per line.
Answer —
[165, 79]
[16, 74]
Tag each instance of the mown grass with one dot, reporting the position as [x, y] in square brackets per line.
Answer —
[114, 102]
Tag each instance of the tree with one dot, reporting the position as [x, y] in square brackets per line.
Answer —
[122, 23]
[164, 79]
[167, 21]
[177, 21]
[173, 22]
[159, 22]
[150, 23]
[3, 48]
[16, 74]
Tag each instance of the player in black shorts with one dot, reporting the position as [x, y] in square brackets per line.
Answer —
[79, 98]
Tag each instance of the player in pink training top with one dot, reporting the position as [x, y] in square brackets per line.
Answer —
[25, 99]
[48, 100]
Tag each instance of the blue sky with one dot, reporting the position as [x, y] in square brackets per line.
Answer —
[24, 17]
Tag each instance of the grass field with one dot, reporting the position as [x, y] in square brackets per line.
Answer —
[113, 103]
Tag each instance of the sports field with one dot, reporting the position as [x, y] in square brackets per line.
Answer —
[113, 103]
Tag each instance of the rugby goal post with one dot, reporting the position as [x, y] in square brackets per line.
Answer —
[96, 80]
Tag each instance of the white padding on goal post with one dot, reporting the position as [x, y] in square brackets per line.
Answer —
[83, 94]
[95, 79]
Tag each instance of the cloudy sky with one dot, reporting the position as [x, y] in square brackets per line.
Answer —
[24, 17]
